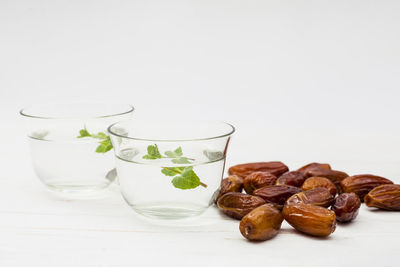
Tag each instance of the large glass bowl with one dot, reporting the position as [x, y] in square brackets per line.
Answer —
[69, 144]
[170, 169]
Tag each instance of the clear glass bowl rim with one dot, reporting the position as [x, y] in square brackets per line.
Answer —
[232, 130]
[24, 113]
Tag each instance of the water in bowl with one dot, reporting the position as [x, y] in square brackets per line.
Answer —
[151, 193]
[71, 166]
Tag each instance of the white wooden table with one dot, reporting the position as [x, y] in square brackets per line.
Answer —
[39, 229]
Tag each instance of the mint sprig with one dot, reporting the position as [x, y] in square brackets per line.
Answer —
[175, 156]
[184, 177]
[153, 153]
[188, 179]
[105, 144]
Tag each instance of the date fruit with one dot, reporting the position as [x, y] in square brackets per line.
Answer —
[274, 167]
[315, 182]
[277, 194]
[362, 184]
[293, 178]
[237, 205]
[231, 183]
[335, 176]
[385, 197]
[346, 207]
[314, 165]
[317, 196]
[262, 223]
[310, 219]
[257, 180]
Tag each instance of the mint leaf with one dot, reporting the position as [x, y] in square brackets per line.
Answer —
[184, 177]
[152, 152]
[104, 146]
[172, 171]
[100, 135]
[101, 149]
[181, 160]
[174, 154]
[178, 151]
[187, 180]
[170, 154]
[83, 133]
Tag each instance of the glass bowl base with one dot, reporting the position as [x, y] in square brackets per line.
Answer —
[77, 190]
[169, 211]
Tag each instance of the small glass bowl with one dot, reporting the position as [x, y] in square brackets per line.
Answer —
[69, 144]
[170, 169]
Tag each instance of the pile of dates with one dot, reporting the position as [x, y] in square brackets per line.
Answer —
[311, 199]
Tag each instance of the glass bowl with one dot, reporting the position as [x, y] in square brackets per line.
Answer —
[170, 169]
[69, 144]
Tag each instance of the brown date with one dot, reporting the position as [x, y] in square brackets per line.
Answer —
[274, 167]
[362, 184]
[314, 165]
[262, 223]
[317, 196]
[335, 176]
[310, 219]
[277, 194]
[231, 183]
[346, 207]
[237, 205]
[315, 182]
[385, 197]
[256, 180]
[293, 178]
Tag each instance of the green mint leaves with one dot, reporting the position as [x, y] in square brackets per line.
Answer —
[187, 180]
[153, 153]
[84, 133]
[175, 156]
[184, 177]
[172, 171]
[105, 144]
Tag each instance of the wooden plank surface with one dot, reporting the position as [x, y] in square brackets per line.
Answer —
[38, 228]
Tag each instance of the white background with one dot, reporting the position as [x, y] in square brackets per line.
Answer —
[301, 81]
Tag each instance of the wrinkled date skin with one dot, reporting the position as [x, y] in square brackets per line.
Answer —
[362, 184]
[310, 219]
[313, 166]
[335, 176]
[318, 196]
[346, 207]
[277, 194]
[385, 197]
[276, 168]
[257, 180]
[262, 223]
[231, 183]
[237, 205]
[293, 178]
[315, 182]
